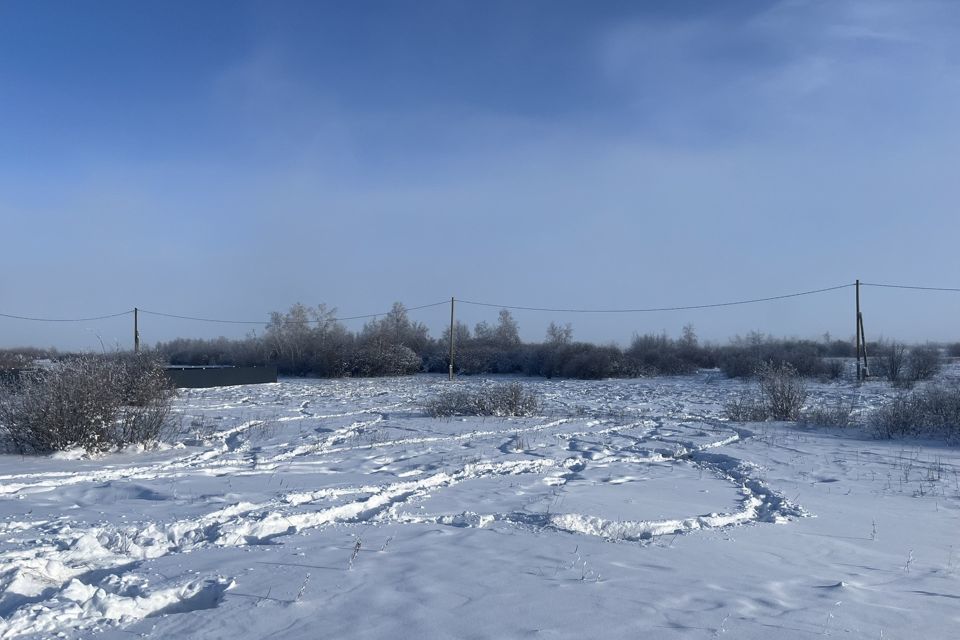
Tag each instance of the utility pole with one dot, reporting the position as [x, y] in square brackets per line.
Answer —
[451, 337]
[859, 372]
[136, 330]
[863, 340]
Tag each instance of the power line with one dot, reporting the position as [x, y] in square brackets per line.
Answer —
[903, 286]
[112, 315]
[489, 304]
[652, 309]
[304, 322]
[218, 320]
[423, 306]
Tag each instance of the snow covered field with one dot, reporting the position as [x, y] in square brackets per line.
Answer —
[630, 509]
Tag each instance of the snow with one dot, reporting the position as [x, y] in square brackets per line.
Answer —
[631, 508]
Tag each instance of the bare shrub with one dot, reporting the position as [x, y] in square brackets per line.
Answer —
[780, 396]
[146, 395]
[90, 402]
[500, 400]
[654, 355]
[457, 402]
[745, 408]
[942, 406]
[889, 361]
[933, 411]
[923, 362]
[782, 391]
[900, 417]
[744, 356]
[585, 361]
[834, 369]
[837, 415]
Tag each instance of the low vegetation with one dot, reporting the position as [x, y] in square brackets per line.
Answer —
[779, 395]
[837, 415]
[92, 402]
[902, 365]
[743, 357]
[933, 411]
[501, 400]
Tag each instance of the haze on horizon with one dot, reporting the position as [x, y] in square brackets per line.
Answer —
[228, 159]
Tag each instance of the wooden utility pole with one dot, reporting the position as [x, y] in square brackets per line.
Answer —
[136, 330]
[863, 340]
[451, 337]
[859, 371]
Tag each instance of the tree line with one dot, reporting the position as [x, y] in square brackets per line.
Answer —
[310, 341]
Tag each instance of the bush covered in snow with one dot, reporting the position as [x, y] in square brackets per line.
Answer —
[92, 402]
[495, 400]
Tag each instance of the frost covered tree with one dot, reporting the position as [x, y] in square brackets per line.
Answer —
[287, 337]
[461, 334]
[308, 340]
[390, 345]
[507, 332]
[557, 335]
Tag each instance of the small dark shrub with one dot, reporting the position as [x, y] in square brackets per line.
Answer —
[889, 360]
[500, 400]
[653, 355]
[923, 363]
[836, 415]
[739, 363]
[780, 396]
[834, 369]
[900, 417]
[841, 349]
[590, 362]
[743, 358]
[745, 408]
[782, 390]
[933, 411]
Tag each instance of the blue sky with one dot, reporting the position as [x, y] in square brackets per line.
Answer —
[226, 159]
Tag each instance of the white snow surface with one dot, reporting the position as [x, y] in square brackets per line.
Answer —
[629, 509]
